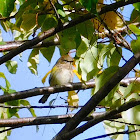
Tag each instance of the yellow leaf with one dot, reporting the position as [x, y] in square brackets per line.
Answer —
[111, 19]
[137, 73]
[73, 99]
[44, 78]
[97, 25]
[48, 5]
[99, 5]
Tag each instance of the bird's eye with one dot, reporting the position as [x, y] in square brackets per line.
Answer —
[68, 61]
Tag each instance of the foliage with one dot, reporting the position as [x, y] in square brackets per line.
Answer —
[95, 58]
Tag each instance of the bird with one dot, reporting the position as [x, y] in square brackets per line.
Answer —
[61, 73]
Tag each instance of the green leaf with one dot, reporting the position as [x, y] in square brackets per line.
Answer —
[6, 25]
[127, 91]
[113, 127]
[87, 64]
[113, 99]
[2, 75]
[26, 103]
[135, 16]
[29, 22]
[3, 135]
[12, 66]
[135, 29]
[105, 76]
[22, 1]
[132, 117]
[61, 12]
[33, 60]
[69, 39]
[102, 53]
[2, 42]
[90, 5]
[135, 135]
[132, 88]
[135, 45]
[6, 7]
[48, 52]
[86, 29]
[6, 82]
[10, 111]
[47, 21]
[137, 6]
[114, 55]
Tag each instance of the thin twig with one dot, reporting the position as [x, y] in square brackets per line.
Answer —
[112, 134]
[8, 18]
[55, 10]
[39, 107]
[124, 122]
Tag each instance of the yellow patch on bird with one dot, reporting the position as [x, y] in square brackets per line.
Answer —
[77, 74]
[73, 99]
[44, 78]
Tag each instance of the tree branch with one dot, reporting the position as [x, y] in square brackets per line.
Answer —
[105, 116]
[56, 119]
[51, 90]
[112, 134]
[53, 31]
[93, 119]
[15, 44]
[38, 107]
[9, 46]
[124, 122]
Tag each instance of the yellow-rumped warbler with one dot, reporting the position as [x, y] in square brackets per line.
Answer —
[61, 74]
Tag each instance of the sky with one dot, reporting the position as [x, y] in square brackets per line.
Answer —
[24, 80]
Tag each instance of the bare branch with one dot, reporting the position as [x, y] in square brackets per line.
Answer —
[56, 119]
[9, 46]
[93, 119]
[124, 122]
[52, 90]
[45, 90]
[38, 107]
[112, 134]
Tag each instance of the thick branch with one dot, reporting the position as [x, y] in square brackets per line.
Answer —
[105, 116]
[99, 96]
[15, 44]
[52, 90]
[56, 119]
[53, 31]
[9, 46]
